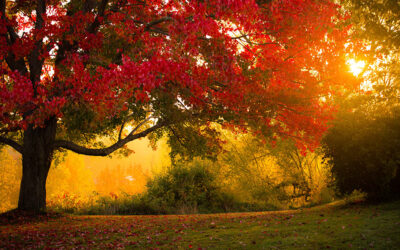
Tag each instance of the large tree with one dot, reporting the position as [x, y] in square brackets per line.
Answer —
[76, 71]
[363, 143]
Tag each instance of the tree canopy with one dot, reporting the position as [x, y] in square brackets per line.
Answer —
[74, 70]
[93, 65]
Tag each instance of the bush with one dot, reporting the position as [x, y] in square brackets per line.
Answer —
[365, 155]
[185, 189]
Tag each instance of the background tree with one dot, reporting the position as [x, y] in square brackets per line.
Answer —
[363, 147]
[363, 144]
[273, 174]
[377, 22]
[76, 70]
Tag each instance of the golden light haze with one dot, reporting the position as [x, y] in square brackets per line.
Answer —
[82, 177]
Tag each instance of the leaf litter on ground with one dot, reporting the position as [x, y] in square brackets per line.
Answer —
[332, 225]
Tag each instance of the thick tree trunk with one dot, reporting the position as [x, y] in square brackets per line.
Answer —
[36, 160]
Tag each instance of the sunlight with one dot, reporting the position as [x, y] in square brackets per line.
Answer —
[356, 67]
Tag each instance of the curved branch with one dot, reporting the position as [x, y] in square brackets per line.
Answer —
[158, 21]
[11, 143]
[108, 150]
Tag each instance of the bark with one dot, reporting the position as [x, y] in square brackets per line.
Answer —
[37, 154]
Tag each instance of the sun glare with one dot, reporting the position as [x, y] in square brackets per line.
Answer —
[356, 67]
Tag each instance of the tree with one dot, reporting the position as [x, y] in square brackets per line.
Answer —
[274, 173]
[75, 71]
[363, 143]
[363, 147]
[378, 22]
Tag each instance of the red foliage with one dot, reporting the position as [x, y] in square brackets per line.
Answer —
[166, 231]
[266, 62]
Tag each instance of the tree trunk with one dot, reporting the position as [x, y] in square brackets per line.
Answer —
[37, 156]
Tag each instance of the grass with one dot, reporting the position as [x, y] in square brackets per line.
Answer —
[334, 225]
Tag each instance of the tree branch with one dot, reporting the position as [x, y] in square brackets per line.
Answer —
[11, 39]
[101, 9]
[158, 21]
[8, 130]
[11, 143]
[108, 150]
[150, 26]
[35, 62]
[120, 131]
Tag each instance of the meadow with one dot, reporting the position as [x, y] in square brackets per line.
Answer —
[337, 225]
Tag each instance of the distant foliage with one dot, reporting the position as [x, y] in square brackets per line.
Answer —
[183, 189]
[278, 175]
[71, 178]
[365, 155]
[377, 22]
[363, 143]
[187, 188]
[10, 176]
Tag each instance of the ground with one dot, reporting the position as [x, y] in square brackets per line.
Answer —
[330, 226]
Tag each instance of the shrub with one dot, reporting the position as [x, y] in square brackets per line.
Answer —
[364, 152]
[186, 189]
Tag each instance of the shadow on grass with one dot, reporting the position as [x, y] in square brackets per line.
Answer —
[17, 216]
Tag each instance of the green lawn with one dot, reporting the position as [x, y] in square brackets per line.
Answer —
[329, 226]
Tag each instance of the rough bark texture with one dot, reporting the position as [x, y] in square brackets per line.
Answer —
[36, 160]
